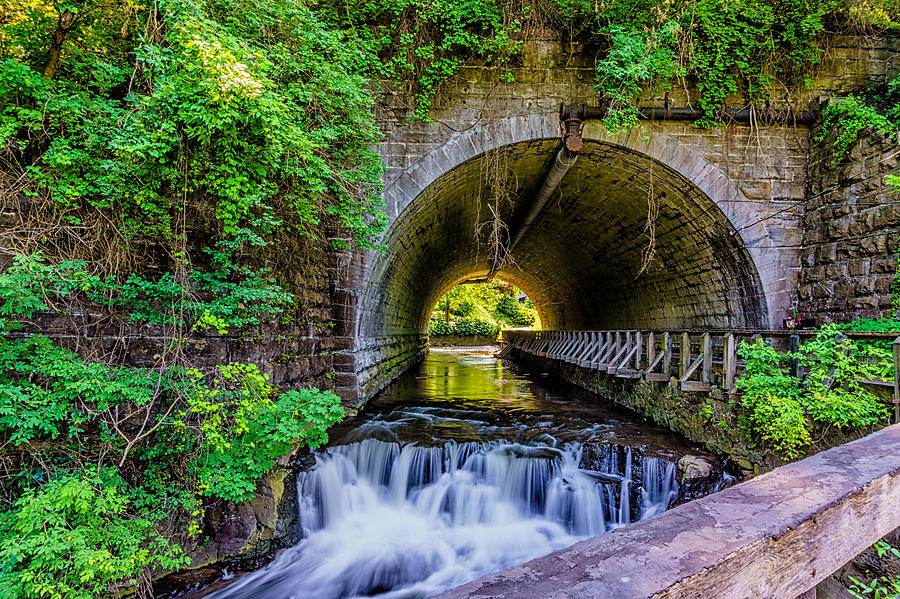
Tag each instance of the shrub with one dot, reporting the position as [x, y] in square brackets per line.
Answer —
[464, 327]
[74, 537]
[780, 408]
[772, 399]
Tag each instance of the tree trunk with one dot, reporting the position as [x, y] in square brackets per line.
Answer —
[64, 25]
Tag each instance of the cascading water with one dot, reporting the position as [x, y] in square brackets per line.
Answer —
[387, 517]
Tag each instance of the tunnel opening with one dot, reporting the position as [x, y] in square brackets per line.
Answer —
[582, 259]
[624, 242]
[481, 309]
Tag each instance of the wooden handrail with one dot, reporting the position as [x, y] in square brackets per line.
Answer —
[621, 353]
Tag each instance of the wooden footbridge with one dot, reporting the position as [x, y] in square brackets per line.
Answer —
[688, 360]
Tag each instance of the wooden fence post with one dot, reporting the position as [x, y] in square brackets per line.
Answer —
[729, 362]
[684, 354]
[706, 373]
[667, 359]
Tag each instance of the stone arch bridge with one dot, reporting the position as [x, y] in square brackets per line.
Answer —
[726, 207]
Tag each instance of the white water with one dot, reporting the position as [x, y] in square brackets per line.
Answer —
[391, 521]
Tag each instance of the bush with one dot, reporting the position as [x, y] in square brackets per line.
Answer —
[772, 399]
[834, 394]
[516, 313]
[780, 409]
[74, 538]
[463, 326]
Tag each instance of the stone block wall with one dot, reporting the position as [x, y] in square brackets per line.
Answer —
[295, 349]
[851, 231]
[376, 362]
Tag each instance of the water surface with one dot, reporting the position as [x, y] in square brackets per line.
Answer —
[464, 466]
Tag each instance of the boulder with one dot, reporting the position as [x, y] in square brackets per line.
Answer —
[698, 476]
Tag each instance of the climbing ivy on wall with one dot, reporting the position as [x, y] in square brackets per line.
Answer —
[874, 109]
[731, 50]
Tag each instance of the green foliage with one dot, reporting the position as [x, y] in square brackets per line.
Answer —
[253, 111]
[425, 42]
[229, 296]
[880, 587]
[43, 390]
[772, 399]
[177, 434]
[833, 392]
[850, 118]
[74, 537]
[779, 408]
[728, 49]
[637, 56]
[515, 313]
[244, 430]
[871, 324]
[463, 326]
[878, 353]
[485, 308]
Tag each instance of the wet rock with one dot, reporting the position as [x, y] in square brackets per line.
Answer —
[691, 467]
[241, 536]
[604, 477]
[698, 476]
[609, 462]
[250, 529]
[602, 456]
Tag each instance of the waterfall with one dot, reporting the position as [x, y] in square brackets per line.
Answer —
[659, 488]
[398, 521]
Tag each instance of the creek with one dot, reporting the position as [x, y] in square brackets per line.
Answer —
[463, 467]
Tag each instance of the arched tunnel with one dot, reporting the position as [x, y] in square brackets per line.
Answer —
[581, 259]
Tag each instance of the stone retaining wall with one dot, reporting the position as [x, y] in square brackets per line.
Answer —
[373, 362]
[851, 231]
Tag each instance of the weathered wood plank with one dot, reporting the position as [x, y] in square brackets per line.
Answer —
[694, 386]
[707, 349]
[684, 355]
[729, 367]
[667, 348]
[775, 536]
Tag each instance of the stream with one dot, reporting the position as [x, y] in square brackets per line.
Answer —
[464, 466]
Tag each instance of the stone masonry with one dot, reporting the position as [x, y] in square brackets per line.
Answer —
[729, 233]
[851, 232]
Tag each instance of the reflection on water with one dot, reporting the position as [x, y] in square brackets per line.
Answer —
[459, 469]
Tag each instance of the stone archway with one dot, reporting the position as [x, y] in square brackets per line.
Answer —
[714, 265]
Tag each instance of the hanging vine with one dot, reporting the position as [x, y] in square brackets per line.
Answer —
[498, 184]
[649, 251]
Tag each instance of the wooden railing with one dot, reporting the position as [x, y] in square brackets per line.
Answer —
[777, 536]
[689, 360]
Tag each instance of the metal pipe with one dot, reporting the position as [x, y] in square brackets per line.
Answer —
[573, 115]
[564, 160]
[764, 116]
